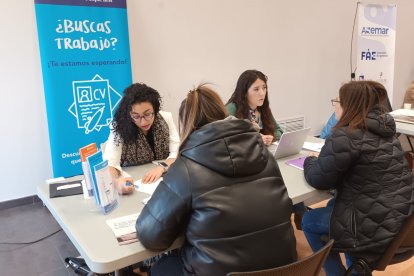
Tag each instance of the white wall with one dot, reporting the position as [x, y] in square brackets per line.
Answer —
[303, 47]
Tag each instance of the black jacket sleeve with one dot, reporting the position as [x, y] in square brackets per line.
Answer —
[336, 157]
[166, 214]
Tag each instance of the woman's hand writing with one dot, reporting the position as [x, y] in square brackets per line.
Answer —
[124, 185]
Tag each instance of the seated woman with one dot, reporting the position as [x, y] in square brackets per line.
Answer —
[210, 196]
[140, 133]
[364, 161]
[250, 101]
[327, 129]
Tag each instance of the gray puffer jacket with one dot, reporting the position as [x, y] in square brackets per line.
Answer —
[226, 195]
[373, 182]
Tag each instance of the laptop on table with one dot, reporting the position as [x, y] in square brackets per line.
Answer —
[291, 143]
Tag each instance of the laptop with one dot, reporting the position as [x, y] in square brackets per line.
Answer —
[291, 143]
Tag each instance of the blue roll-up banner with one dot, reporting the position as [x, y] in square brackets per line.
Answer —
[86, 64]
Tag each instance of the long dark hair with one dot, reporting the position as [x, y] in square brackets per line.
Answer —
[357, 99]
[239, 98]
[123, 125]
[201, 106]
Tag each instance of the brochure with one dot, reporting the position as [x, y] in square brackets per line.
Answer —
[106, 192]
[93, 160]
[84, 153]
[124, 228]
[297, 162]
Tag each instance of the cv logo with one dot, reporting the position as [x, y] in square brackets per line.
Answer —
[94, 103]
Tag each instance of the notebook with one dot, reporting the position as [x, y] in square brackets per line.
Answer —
[291, 143]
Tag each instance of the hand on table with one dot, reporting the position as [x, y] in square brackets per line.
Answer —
[153, 175]
[267, 139]
[313, 154]
[124, 185]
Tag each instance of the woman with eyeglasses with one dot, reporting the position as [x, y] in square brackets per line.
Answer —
[250, 101]
[140, 133]
[210, 196]
[363, 160]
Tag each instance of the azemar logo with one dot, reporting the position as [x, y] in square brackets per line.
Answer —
[374, 31]
[368, 55]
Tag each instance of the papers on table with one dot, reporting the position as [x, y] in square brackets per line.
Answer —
[313, 146]
[404, 112]
[403, 115]
[124, 228]
[148, 188]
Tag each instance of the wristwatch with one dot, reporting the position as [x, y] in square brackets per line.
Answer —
[164, 166]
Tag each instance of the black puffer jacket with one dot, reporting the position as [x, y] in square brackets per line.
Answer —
[374, 185]
[226, 195]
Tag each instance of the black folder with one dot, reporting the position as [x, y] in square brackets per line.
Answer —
[54, 192]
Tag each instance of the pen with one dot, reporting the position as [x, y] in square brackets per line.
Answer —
[131, 184]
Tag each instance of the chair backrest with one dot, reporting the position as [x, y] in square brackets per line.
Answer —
[402, 243]
[309, 266]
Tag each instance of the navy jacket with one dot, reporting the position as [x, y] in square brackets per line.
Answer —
[373, 182]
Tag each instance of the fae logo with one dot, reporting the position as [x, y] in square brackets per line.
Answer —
[368, 55]
[94, 103]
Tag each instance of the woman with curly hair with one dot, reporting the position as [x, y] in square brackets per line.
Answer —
[250, 101]
[140, 133]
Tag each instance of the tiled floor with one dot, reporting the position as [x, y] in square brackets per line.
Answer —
[32, 222]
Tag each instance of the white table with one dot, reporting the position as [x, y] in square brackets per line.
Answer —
[298, 189]
[405, 128]
[86, 226]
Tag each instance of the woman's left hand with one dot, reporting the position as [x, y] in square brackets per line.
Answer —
[152, 175]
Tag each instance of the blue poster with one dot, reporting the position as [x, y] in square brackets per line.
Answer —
[85, 58]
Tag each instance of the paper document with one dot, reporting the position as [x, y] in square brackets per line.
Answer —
[403, 115]
[313, 146]
[148, 188]
[403, 112]
[124, 228]
[145, 200]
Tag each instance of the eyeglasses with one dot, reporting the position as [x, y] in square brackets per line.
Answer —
[334, 101]
[146, 117]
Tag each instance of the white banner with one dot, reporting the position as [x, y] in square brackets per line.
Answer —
[376, 44]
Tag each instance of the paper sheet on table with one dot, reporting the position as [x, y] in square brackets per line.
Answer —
[145, 200]
[146, 188]
[124, 228]
[403, 115]
[403, 112]
[313, 146]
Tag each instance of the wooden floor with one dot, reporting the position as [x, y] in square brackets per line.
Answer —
[405, 268]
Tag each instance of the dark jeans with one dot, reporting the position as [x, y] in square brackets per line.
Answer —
[315, 223]
[168, 265]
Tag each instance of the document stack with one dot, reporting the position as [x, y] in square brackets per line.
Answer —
[96, 172]
[84, 153]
